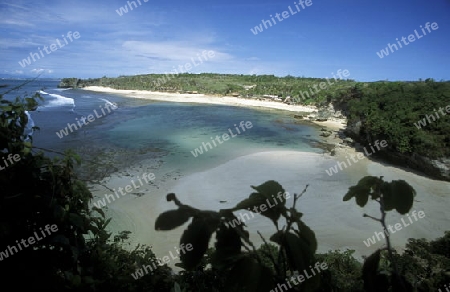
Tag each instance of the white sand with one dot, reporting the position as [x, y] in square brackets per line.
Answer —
[337, 224]
[201, 98]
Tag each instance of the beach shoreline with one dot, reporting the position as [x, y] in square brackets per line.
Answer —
[332, 123]
[202, 98]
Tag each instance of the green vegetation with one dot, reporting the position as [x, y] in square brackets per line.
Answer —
[389, 111]
[83, 256]
[223, 84]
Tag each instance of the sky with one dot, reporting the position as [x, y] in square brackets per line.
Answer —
[91, 39]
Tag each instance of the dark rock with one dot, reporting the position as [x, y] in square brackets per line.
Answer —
[349, 141]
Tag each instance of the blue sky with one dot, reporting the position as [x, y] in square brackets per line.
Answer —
[158, 35]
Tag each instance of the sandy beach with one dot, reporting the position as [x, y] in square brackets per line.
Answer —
[337, 224]
[201, 98]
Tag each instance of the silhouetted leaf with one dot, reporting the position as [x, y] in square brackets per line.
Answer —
[362, 199]
[269, 197]
[403, 196]
[277, 237]
[308, 235]
[253, 200]
[298, 252]
[198, 235]
[365, 187]
[172, 219]
[370, 270]
[388, 197]
[270, 189]
[228, 246]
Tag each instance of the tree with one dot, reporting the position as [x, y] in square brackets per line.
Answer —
[50, 238]
[398, 195]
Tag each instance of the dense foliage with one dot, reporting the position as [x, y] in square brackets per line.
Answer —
[224, 84]
[391, 110]
[36, 191]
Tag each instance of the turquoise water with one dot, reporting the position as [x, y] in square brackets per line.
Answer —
[178, 129]
[142, 129]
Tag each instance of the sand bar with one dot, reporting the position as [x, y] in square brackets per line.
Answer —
[338, 224]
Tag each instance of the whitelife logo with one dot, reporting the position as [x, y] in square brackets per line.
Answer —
[31, 240]
[122, 10]
[398, 227]
[225, 137]
[411, 38]
[360, 156]
[165, 260]
[344, 74]
[423, 122]
[35, 56]
[284, 14]
[15, 157]
[300, 277]
[82, 122]
[263, 208]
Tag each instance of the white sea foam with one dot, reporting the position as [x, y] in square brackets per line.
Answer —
[60, 100]
[113, 105]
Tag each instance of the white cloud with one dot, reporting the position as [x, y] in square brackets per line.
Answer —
[41, 71]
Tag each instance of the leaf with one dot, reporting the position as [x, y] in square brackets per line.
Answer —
[277, 237]
[374, 281]
[369, 182]
[388, 198]
[172, 219]
[366, 186]
[350, 194]
[403, 196]
[362, 199]
[197, 235]
[270, 198]
[228, 246]
[269, 189]
[298, 252]
[307, 235]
